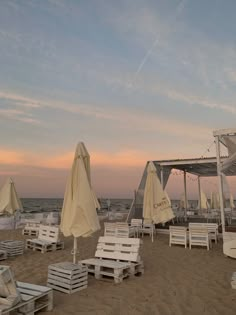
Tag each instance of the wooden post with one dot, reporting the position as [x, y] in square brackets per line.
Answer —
[199, 192]
[185, 196]
[220, 183]
[74, 252]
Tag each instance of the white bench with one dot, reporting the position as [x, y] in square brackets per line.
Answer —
[178, 235]
[212, 229]
[48, 240]
[199, 236]
[115, 257]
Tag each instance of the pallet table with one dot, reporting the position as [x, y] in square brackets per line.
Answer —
[12, 248]
[67, 277]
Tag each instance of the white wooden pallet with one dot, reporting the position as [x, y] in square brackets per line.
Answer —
[3, 254]
[103, 269]
[12, 248]
[35, 298]
[43, 246]
[30, 232]
[67, 277]
[9, 295]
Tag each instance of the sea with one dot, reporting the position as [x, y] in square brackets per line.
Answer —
[33, 205]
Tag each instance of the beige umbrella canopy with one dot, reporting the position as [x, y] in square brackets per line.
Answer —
[156, 206]
[79, 216]
[9, 200]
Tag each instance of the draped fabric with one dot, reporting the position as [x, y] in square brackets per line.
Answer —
[215, 200]
[79, 216]
[9, 200]
[229, 165]
[202, 202]
[156, 206]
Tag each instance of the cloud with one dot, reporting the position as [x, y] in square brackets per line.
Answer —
[18, 115]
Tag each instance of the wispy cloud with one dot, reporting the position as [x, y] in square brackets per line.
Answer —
[18, 115]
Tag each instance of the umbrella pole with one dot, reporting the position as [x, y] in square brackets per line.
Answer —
[75, 250]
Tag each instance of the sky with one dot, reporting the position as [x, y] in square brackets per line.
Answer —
[134, 80]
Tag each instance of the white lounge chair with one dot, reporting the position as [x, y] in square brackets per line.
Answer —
[178, 235]
[115, 257]
[136, 224]
[199, 236]
[211, 227]
[48, 239]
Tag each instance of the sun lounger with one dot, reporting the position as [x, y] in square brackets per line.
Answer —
[115, 257]
[178, 235]
[48, 240]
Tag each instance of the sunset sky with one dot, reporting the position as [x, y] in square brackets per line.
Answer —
[134, 80]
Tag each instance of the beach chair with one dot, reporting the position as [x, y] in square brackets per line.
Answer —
[136, 224]
[178, 235]
[199, 236]
[20, 297]
[115, 257]
[109, 229]
[147, 228]
[211, 227]
[48, 240]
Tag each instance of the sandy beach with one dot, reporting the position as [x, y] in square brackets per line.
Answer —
[175, 281]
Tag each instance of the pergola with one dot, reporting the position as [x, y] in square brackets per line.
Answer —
[201, 167]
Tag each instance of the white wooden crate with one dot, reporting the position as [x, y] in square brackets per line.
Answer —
[67, 277]
[12, 248]
[30, 232]
[34, 298]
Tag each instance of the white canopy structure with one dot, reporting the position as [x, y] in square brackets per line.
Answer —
[9, 200]
[201, 167]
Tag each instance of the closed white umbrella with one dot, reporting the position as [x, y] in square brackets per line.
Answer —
[79, 216]
[9, 200]
[156, 205]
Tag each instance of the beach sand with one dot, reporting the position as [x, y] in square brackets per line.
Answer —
[176, 281]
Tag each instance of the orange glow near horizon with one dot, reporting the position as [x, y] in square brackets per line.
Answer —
[128, 158]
